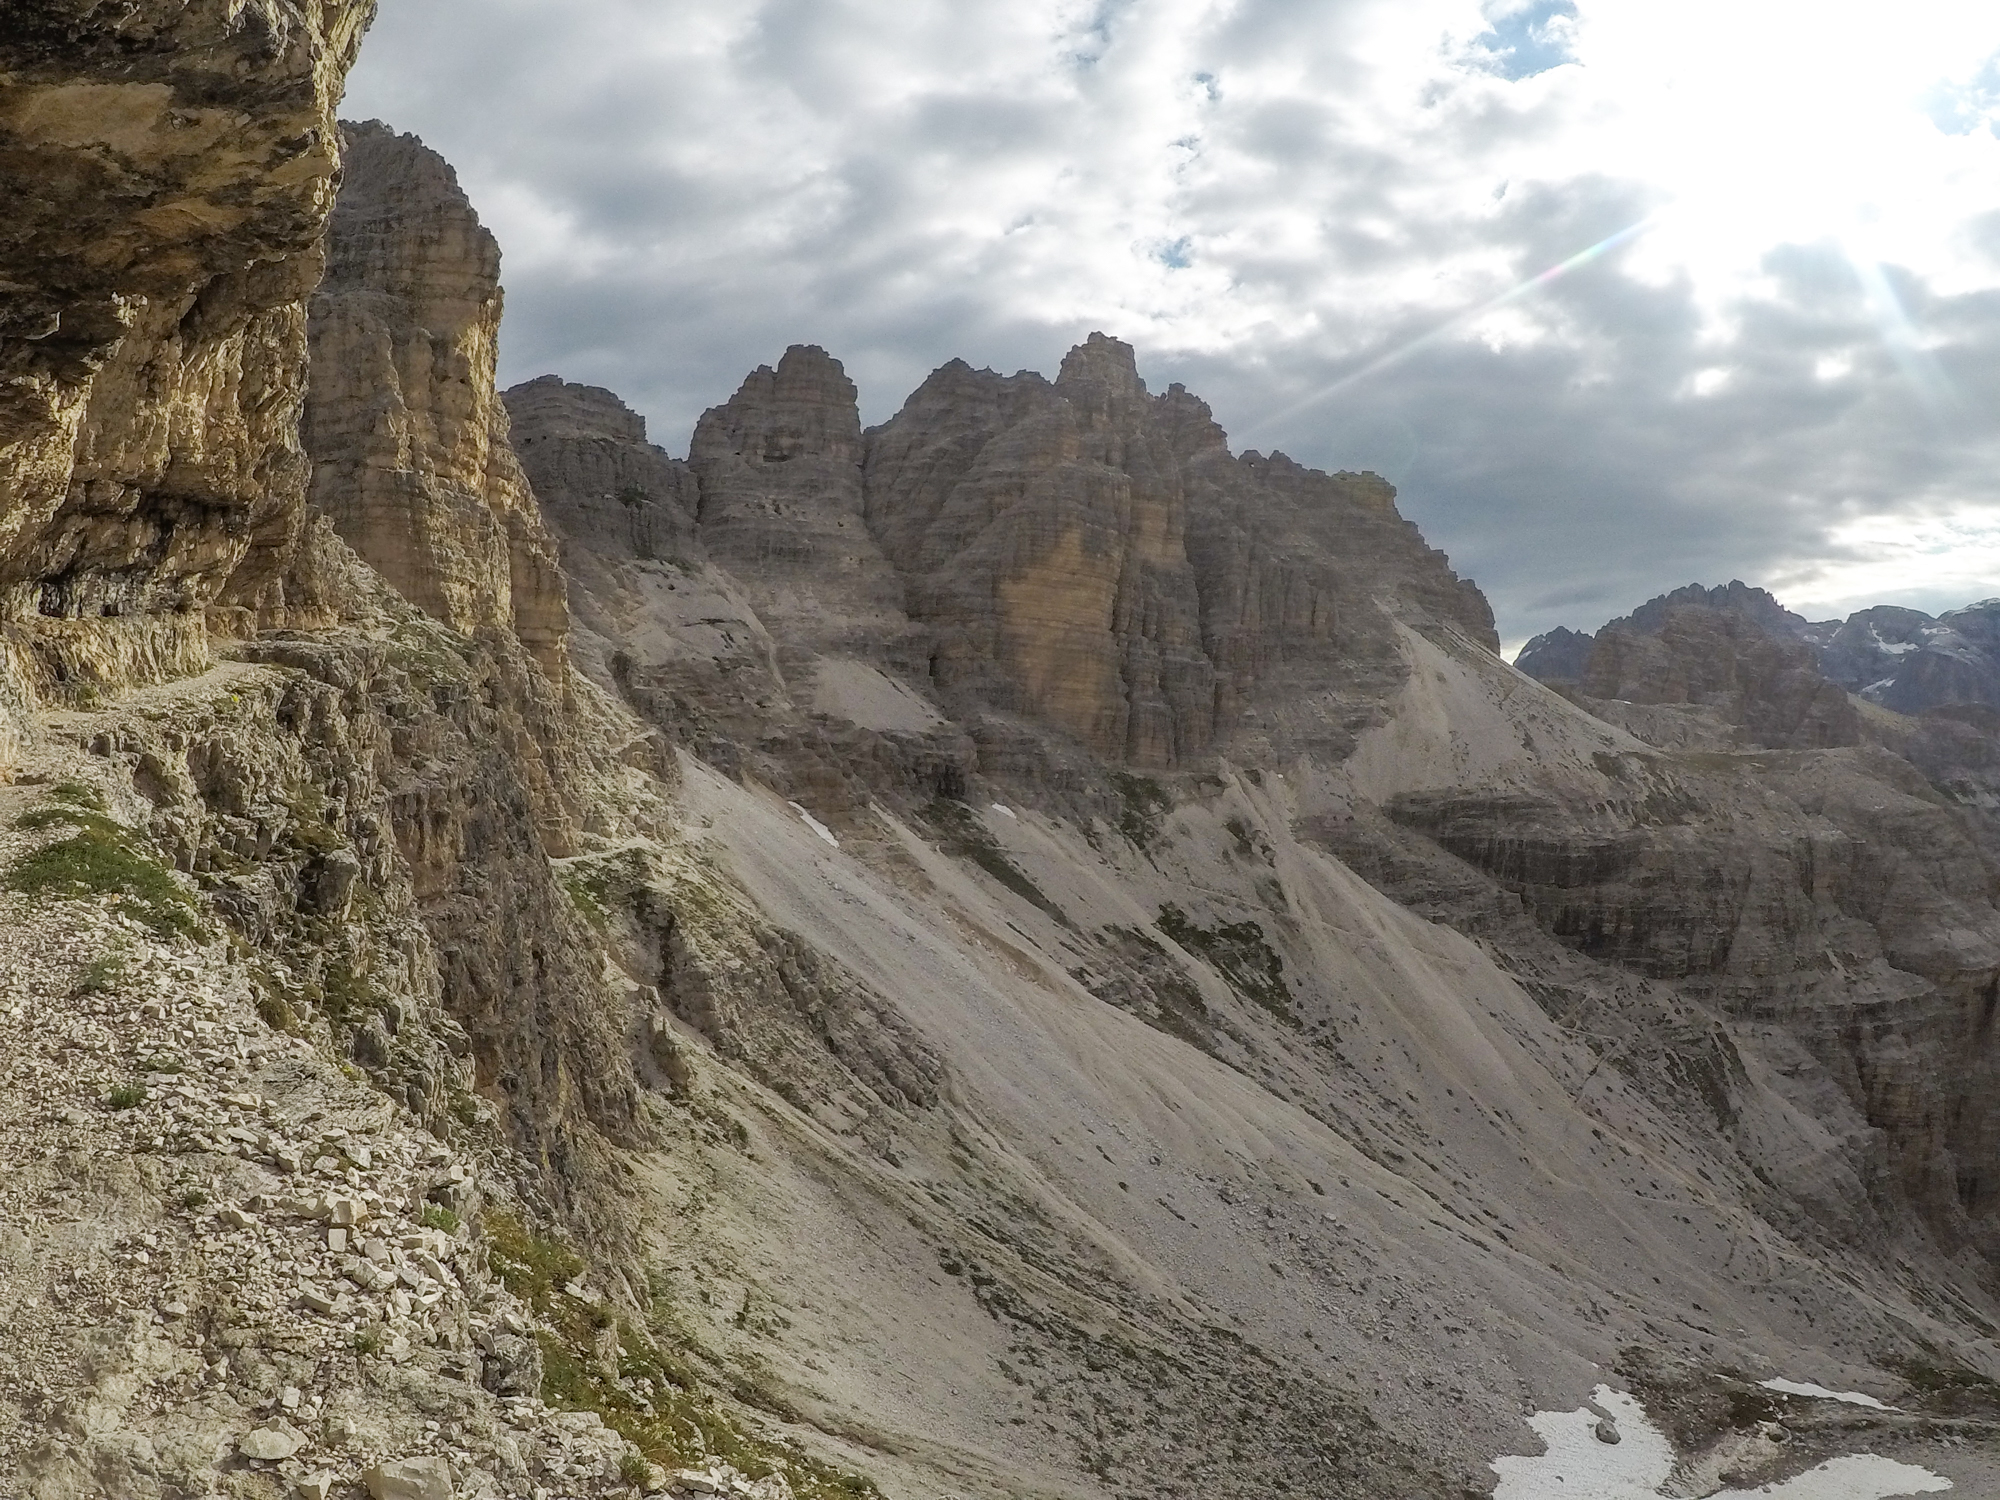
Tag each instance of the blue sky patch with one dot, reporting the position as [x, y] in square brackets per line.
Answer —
[1961, 108]
[1528, 39]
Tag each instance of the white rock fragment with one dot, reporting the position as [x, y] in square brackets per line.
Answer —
[269, 1443]
[410, 1479]
[814, 824]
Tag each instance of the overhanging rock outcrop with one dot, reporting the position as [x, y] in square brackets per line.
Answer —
[167, 171]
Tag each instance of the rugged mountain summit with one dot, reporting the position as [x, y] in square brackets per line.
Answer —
[405, 426]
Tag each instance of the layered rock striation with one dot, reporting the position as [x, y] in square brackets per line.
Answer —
[405, 424]
[1073, 558]
[1902, 659]
[168, 171]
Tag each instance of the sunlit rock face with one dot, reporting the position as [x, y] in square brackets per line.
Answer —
[406, 427]
[166, 170]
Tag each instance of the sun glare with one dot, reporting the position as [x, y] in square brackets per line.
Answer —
[1775, 123]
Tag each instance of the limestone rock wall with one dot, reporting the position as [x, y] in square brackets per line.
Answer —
[405, 424]
[167, 171]
[780, 472]
[1094, 556]
[1042, 529]
[1719, 658]
[596, 477]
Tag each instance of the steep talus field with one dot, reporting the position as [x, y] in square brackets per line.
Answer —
[1017, 952]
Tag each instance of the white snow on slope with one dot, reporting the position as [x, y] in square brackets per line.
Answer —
[1579, 1467]
[1807, 1388]
[814, 824]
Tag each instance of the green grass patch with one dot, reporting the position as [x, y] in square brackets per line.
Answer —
[1143, 803]
[126, 1096]
[437, 1216]
[961, 834]
[651, 1398]
[603, 886]
[1237, 951]
[102, 857]
[1942, 1386]
[101, 975]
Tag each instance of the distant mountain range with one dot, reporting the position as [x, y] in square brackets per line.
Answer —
[1901, 659]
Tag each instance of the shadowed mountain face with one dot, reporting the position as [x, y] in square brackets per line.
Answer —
[1902, 659]
[1015, 953]
[1076, 561]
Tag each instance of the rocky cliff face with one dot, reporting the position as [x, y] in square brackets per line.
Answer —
[1095, 557]
[168, 170]
[1902, 659]
[594, 474]
[1076, 557]
[406, 428]
[1043, 531]
[1556, 655]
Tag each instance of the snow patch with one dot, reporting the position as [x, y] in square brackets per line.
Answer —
[1807, 1388]
[1579, 1466]
[1005, 812]
[814, 824]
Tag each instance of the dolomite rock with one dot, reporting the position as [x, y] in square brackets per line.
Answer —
[167, 170]
[269, 1443]
[407, 431]
[410, 1479]
[586, 455]
[780, 471]
[1724, 660]
[800, 669]
[1042, 531]
[1556, 655]
[1095, 557]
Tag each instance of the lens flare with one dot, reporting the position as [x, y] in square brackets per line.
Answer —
[1463, 320]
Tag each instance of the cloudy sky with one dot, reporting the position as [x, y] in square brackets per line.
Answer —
[1621, 293]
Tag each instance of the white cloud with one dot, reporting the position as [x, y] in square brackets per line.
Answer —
[1269, 196]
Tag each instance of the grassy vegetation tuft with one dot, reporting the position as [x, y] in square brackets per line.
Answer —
[1238, 952]
[101, 975]
[101, 858]
[1145, 801]
[651, 1398]
[962, 835]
